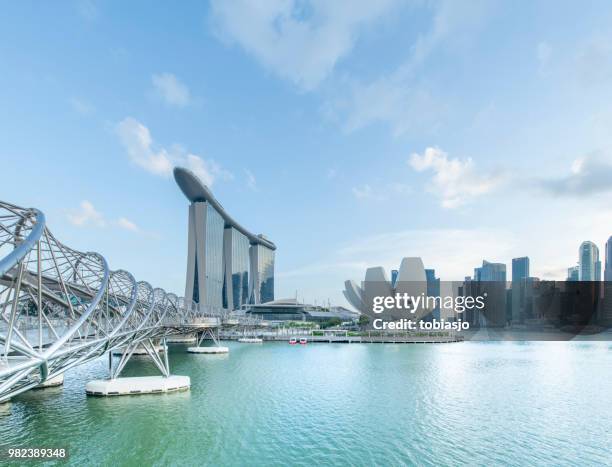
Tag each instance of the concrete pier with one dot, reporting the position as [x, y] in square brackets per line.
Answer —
[138, 385]
[208, 350]
[250, 340]
[52, 382]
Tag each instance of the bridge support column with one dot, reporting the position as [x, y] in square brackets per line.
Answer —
[116, 386]
[213, 334]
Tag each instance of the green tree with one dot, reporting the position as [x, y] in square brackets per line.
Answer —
[330, 323]
[364, 320]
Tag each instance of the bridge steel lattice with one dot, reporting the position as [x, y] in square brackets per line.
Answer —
[60, 307]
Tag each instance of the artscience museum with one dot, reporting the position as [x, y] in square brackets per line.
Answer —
[411, 279]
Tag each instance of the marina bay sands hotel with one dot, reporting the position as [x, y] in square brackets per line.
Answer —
[227, 266]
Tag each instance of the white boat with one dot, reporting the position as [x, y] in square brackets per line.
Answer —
[250, 340]
[303, 341]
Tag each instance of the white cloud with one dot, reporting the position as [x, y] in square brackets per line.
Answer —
[207, 170]
[87, 9]
[301, 41]
[251, 181]
[80, 106]
[365, 192]
[589, 175]
[86, 215]
[381, 192]
[127, 224]
[455, 181]
[402, 98]
[136, 139]
[171, 89]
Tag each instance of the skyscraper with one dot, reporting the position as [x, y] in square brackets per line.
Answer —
[490, 272]
[490, 279]
[520, 268]
[573, 273]
[608, 261]
[394, 273]
[227, 266]
[433, 290]
[588, 260]
[520, 274]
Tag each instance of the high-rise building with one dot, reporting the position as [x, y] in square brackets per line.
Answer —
[262, 273]
[394, 273]
[573, 273]
[520, 268]
[608, 261]
[520, 274]
[236, 279]
[490, 272]
[227, 266]
[588, 260]
[490, 279]
[433, 290]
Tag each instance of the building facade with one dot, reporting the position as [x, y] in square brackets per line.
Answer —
[227, 266]
[520, 268]
[588, 260]
[608, 261]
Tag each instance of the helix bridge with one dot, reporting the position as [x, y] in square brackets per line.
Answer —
[60, 307]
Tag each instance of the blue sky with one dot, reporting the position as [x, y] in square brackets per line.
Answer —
[351, 133]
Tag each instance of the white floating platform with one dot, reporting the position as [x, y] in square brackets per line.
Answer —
[137, 385]
[250, 340]
[55, 381]
[181, 339]
[139, 351]
[209, 350]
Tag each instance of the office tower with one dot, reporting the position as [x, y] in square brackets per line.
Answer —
[520, 273]
[608, 261]
[520, 268]
[394, 273]
[573, 273]
[433, 290]
[490, 272]
[588, 260]
[490, 279]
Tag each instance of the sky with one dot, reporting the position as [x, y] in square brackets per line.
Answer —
[351, 133]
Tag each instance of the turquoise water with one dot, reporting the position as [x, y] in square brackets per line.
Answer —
[337, 404]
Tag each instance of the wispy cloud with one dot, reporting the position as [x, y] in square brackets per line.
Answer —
[589, 175]
[454, 181]
[81, 106]
[400, 98]
[137, 141]
[365, 192]
[382, 191]
[301, 41]
[250, 179]
[171, 90]
[86, 215]
[127, 224]
[87, 9]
